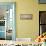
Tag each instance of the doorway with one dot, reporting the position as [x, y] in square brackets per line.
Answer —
[7, 21]
[42, 22]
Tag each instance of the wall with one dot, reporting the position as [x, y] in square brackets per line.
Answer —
[27, 28]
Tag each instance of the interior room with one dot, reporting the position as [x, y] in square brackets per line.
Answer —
[23, 21]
